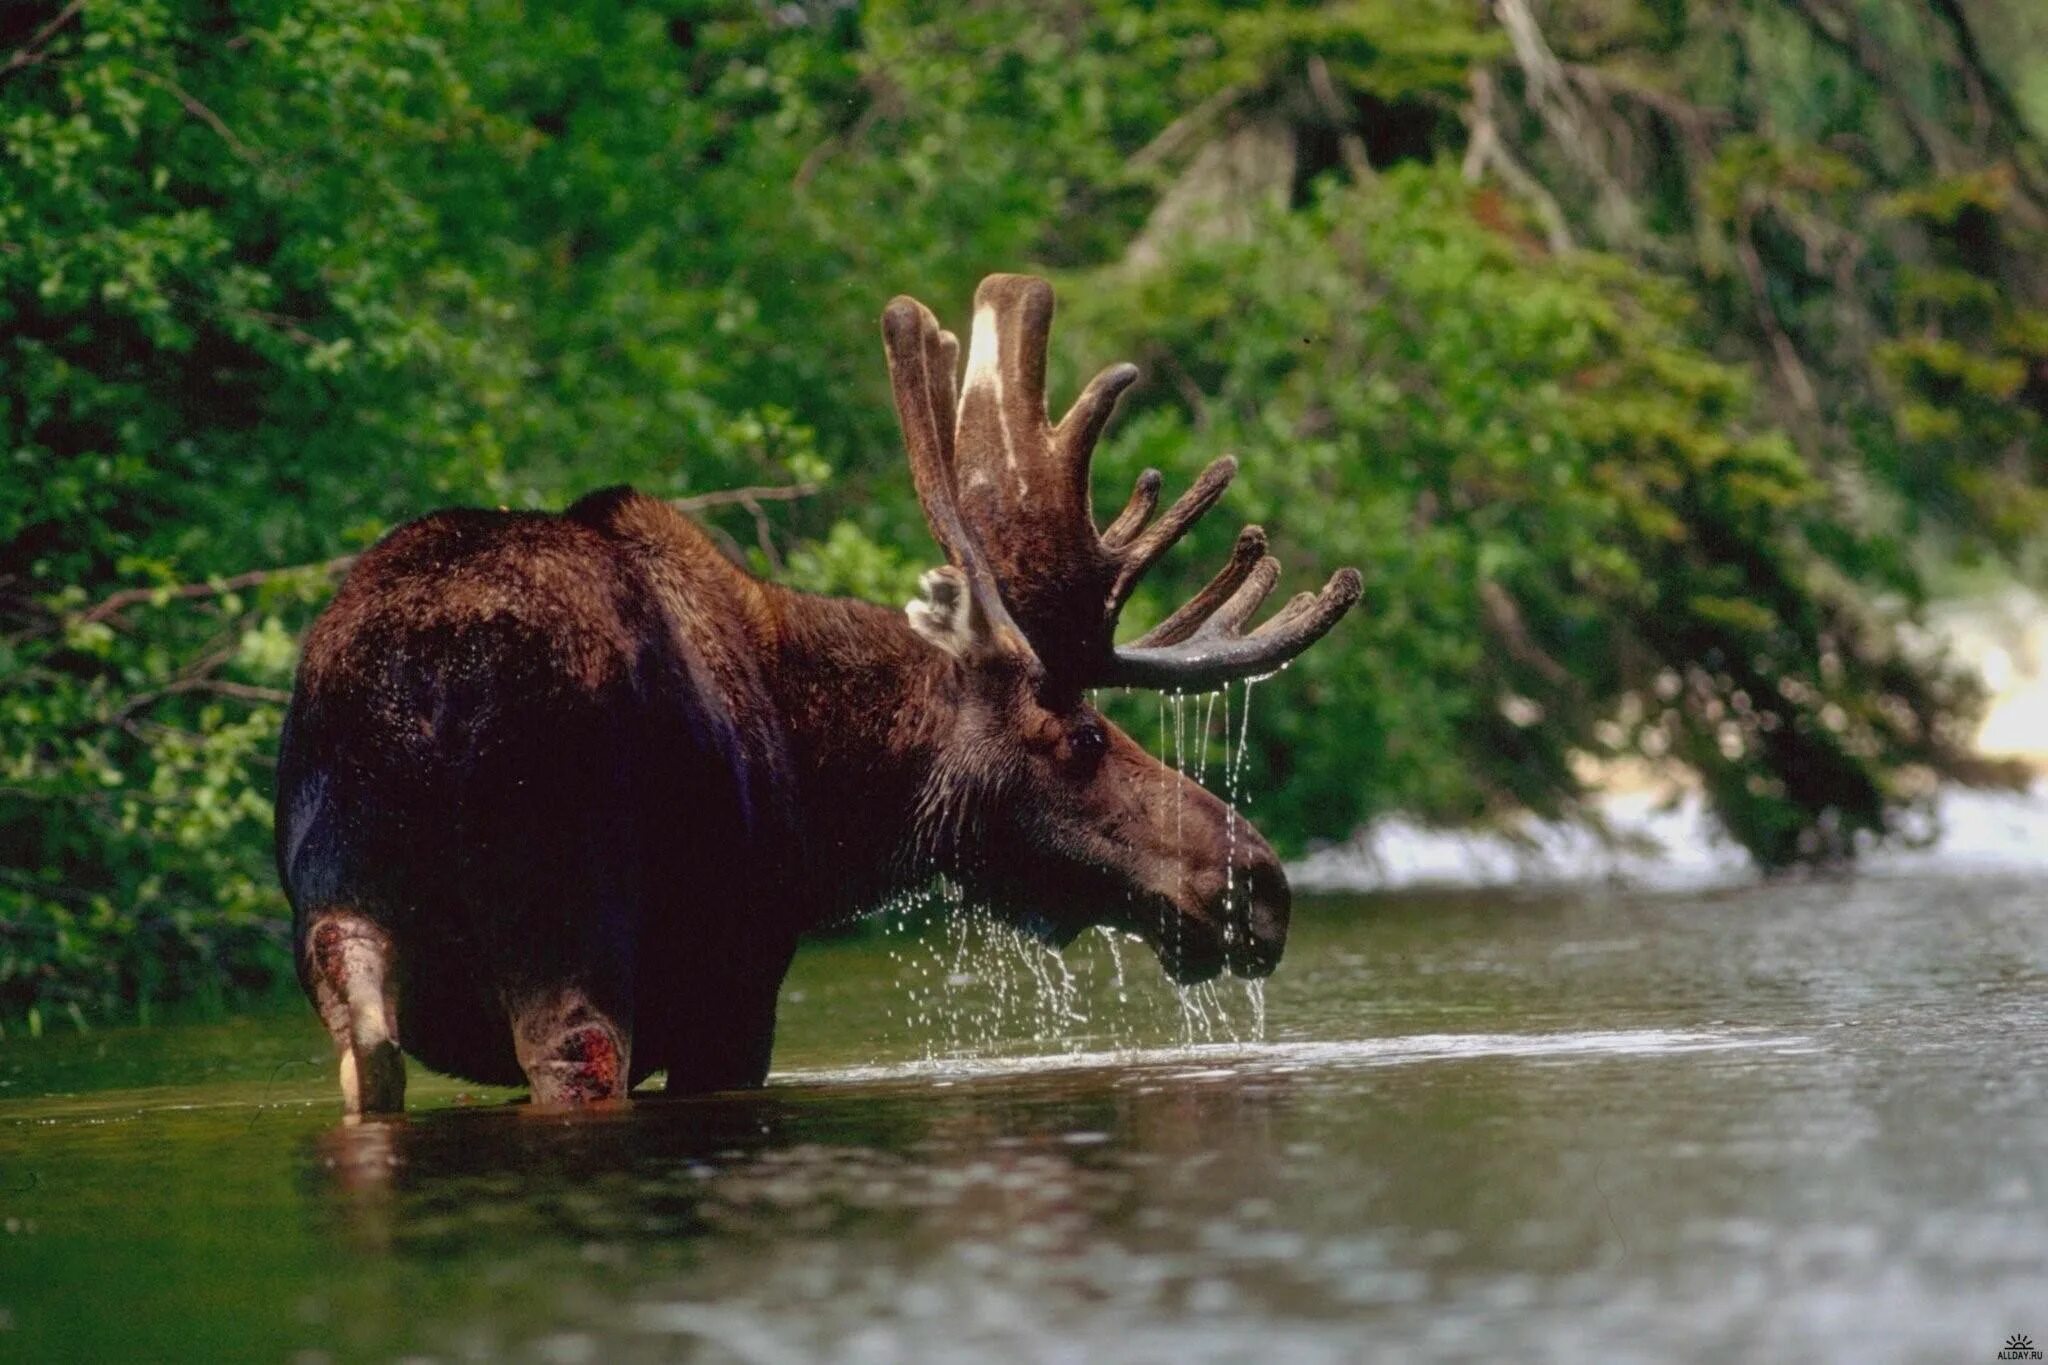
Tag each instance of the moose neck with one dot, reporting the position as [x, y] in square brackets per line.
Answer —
[867, 707]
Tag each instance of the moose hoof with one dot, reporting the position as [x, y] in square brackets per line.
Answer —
[373, 1080]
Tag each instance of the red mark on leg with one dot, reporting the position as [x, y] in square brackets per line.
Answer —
[591, 1067]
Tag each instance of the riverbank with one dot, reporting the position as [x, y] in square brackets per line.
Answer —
[1652, 829]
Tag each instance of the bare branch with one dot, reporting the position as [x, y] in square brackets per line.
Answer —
[1986, 83]
[1797, 382]
[1186, 130]
[204, 115]
[116, 603]
[1505, 620]
[1840, 32]
[1692, 120]
[764, 535]
[728, 497]
[1324, 88]
[1557, 102]
[271, 696]
[885, 100]
[31, 52]
[1487, 149]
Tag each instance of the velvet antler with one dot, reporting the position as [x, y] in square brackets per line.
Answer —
[1007, 496]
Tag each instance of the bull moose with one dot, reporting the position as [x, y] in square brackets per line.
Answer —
[558, 794]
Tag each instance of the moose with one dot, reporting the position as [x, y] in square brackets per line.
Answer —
[558, 794]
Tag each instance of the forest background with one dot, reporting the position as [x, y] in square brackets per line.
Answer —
[1657, 360]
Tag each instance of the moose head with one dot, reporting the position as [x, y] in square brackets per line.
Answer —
[1044, 810]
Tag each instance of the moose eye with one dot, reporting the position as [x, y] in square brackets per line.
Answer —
[1087, 743]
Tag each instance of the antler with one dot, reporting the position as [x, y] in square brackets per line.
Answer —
[922, 362]
[1007, 496]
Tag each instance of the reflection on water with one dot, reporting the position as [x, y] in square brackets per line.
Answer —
[1785, 1123]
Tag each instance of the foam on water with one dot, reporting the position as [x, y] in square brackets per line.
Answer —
[1660, 843]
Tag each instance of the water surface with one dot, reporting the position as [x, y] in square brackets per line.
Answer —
[1783, 1123]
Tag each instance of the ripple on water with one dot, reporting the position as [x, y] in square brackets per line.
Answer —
[1251, 1058]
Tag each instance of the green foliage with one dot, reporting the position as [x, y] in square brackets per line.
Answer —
[1578, 536]
[180, 297]
[274, 277]
[1967, 372]
[1860, 194]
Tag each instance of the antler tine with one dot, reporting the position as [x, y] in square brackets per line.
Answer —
[1082, 426]
[1155, 540]
[1144, 498]
[1229, 618]
[1218, 652]
[1297, 606]
[923, 359]
[942, 373]
[1004, 414]
[910, 338]
[1244, 557]
[1002, 418]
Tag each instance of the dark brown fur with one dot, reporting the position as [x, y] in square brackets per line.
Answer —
[590, 782]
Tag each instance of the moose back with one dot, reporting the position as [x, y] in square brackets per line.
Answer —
[558, 794]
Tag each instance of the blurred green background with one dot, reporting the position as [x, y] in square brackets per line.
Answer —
[1655, 360]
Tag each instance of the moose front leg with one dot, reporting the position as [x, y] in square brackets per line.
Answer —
[573, 1051]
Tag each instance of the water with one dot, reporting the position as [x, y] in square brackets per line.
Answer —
[1770, 1123]
[1668, 839]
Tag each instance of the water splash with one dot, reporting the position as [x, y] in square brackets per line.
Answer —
[972, 988]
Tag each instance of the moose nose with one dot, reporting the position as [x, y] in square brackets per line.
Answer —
[1263, 901]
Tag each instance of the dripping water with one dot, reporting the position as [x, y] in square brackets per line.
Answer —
[968, 987]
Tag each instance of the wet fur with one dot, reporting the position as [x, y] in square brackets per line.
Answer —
[572, 786]
[587, 753]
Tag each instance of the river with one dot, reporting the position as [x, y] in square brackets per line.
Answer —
[1797, 1122]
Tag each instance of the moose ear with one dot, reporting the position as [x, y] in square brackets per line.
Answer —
[945, 614]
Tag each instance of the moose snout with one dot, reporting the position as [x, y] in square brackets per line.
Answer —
[1229, 907]
[1258, 932]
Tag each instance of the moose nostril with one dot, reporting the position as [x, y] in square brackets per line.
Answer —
[1263, 902]
[1270, 900]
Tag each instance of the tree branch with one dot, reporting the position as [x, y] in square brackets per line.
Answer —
[1504, 618]
[31, 52]
[1840, 32]
[1176, 136]
[1568, 118]
[1487, 148]
[270, 696]
[204, 115]
[116, 603]
[1324, 87]
[1694, 121]
[1797, 382]
[1986, 81]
